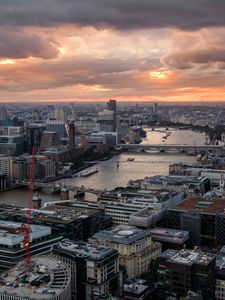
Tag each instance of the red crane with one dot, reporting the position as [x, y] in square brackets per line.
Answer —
[26, 228]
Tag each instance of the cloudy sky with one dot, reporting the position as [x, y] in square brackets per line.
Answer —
[160, 50]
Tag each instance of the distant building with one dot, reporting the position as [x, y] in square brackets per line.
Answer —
[15, 130]
[34, 133]
[19, 169]
[155, 108]
[59, 114]
[97, 269]
[184, 270]
[3, 114]
[3, 182]
[135, 246]
[11, 145]
[59, 154]
[49, 140]
[71, 135]
[112, 106]
[58, 126]
[6, 165]
[191, 184]
[48, 279]
[106, 120]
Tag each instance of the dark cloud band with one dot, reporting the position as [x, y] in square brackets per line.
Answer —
[122, 14]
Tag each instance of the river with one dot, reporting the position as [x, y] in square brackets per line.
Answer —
[109, 176]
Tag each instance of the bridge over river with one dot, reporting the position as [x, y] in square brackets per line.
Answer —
[53, 188]
[174, 147]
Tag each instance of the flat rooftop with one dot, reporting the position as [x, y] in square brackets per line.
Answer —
[201, 205]
[46, 279]
[11, 233]
[85, 250]
[188, 257]
[137, 286]
[122, 234]
[169, 235]
[59, 213]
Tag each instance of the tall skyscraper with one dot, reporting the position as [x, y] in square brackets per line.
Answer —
[71, 133]
[59, 114]
[3, 114]
[112, 106]
[155, 108]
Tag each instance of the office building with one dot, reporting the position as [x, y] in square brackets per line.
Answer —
[11, 145]
[190, 184]
[15, 130]
[3, 182]
[11, 243]
[71, 135]
[19, 168]
[169, 238]
[112, 106]
[3, 114]
[203, 218]
[63, 218]
[135, 246]
[59, 114]
[34, 133]
[6, 166]
[184, 270]
[58, 126]
[97, 269]
[49, 140]
[105, 120]
[155, 108]
[47, 279]
[220, 275]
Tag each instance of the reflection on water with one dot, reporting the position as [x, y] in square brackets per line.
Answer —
[109, 176]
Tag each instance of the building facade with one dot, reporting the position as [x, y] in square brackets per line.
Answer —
[135, 246]
[185, 270]
[97, 269]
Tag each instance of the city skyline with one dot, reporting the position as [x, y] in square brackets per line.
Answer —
[126, 50]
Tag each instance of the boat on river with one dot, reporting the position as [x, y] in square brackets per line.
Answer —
[88, 172]
[130, 159]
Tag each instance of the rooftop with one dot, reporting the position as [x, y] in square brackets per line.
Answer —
[11, 233]
[169, 235]
[188, 257]
[199, 204]
[55, 213]
[122, 234]
[85, 250]
[47, 278]
[137, 286]
[59, 213]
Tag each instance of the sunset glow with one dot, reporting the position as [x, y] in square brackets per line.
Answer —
[157, 53]
[7, 62]
[159, 75]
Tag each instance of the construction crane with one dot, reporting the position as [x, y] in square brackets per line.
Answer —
[26, 228]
